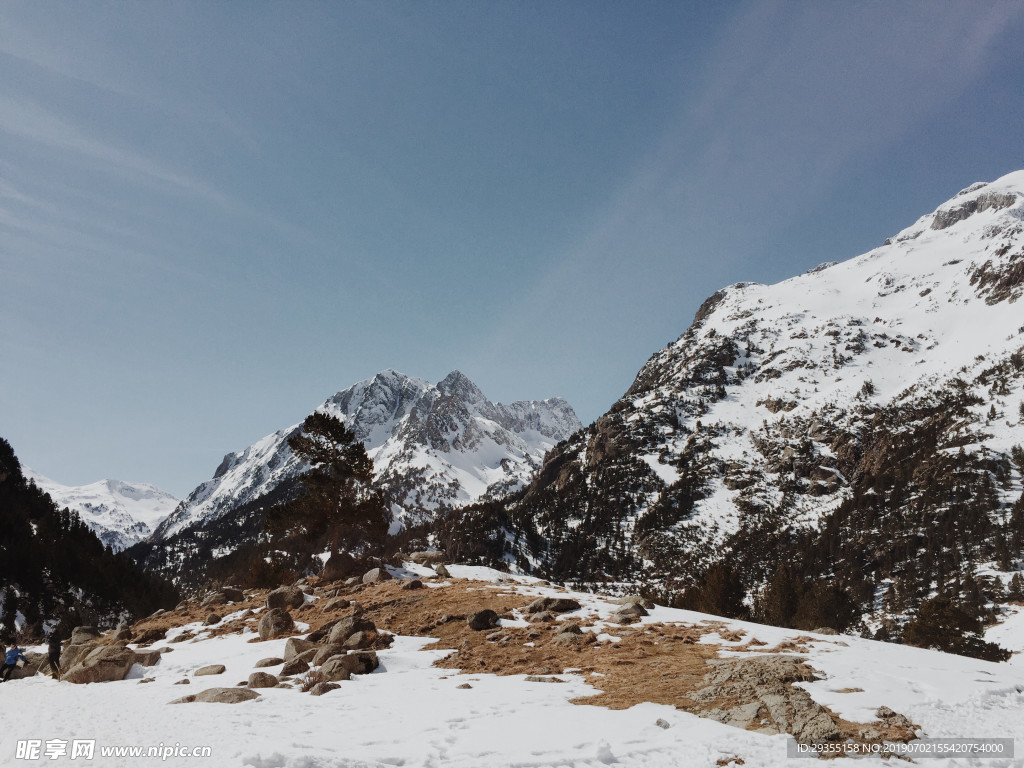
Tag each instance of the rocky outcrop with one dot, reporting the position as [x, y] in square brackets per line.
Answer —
[758, 693]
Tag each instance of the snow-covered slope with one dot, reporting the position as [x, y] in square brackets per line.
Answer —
[433, 445]
[873, 403]
[411, 713]
[120, 513]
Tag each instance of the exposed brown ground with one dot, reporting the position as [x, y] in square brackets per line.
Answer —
[659, 663]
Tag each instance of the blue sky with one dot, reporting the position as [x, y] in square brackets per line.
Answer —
[215, 215]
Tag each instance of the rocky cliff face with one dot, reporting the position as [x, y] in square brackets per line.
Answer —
[856, 423]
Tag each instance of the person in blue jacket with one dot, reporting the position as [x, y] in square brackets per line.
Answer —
[10, 662]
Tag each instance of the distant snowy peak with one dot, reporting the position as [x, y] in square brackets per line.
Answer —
[120, 513]
[433, 446]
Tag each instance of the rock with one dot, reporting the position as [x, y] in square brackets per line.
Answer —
[825, 631]
[413, 584]
[482, 620]
[635, 600]
[441, 571]
[147, 680]
[321, 634]
[376, 575]
[232, 594]
[210, 669]
[324, 652]
[337, 602]
[286, 597]
[148, 658]
[427, 558]
[360, 662]
[766, 681]
[352, 581]
[543, 679]
[151, 635]
[307, 656]
[102, 664]
[360, 640]
[295, 667]
[212, 619]
[123, 633]
[662, 723]
[214, 598]
[340, 565]
[347, 627]
[334, 669]
[275, 623]
[219, 696]
[186, 681]
[296, 645]
[183, 605]
[262, 680]
[632, 609]
[82, 635]
[553, 605]
[321, 688]
[357, 608]
[271, 661]
[542, 616]
[464, 686]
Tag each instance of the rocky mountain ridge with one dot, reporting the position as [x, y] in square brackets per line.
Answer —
[858, 418]
[435, 447]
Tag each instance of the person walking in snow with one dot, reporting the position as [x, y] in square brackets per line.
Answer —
[10, 662]
[53, 649]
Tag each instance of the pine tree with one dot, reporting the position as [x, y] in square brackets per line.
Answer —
[338, 506]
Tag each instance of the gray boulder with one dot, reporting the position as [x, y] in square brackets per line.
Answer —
[102, 664]
[321, 688]
[82, 635]
[324, 652]
[345, 628]
[219, 696]
[148, 658]
[376, 576]
[413, 584]
[276, 622]
[233, 594]
[212, 619]
[262, 680]
[271, 661]
[337, 602]
[360, 662]
[360, 640]
[294, 667]
[211, 669]
[286, 597]
[295, 646]
[334, 669]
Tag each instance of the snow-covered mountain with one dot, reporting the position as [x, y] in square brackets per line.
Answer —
[434, 446]
[870, 408]
[120, 513]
